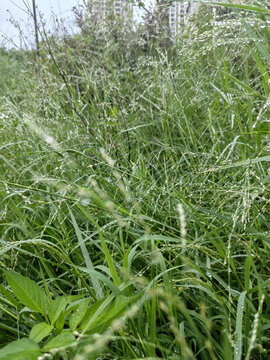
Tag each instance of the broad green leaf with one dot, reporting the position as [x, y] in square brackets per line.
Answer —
[62, 340]
[60, 313]
[28, 292]
[23, 349]
[40, 331]
[78, 314]
[60, 322]
[57, 306]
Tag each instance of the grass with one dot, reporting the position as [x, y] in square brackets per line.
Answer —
[134, 195]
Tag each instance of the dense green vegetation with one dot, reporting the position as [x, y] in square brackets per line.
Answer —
[134, 194]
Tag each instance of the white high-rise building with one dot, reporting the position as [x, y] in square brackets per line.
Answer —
[103, 8]
[179, 14]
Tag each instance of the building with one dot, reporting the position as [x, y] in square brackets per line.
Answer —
[179, 14]
[103, 8]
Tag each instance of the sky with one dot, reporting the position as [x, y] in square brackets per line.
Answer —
[17, 10]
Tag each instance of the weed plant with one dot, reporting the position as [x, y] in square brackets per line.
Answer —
[134, 192]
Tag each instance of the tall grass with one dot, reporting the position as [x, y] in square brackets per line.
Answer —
[134, 195]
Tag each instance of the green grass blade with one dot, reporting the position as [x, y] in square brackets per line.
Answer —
[239, 326]
[107, 254]
[88, 261]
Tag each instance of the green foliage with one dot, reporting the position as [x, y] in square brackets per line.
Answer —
[20, 349]
[134, 197]
[40, 331]
[59, 341]
[28, 292]
[77, 312]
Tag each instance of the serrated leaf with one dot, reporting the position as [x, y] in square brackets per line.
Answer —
[20, 350]
[78, 314]
[28, 292]
[57, 306]
[40, 331]
[62, 340]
